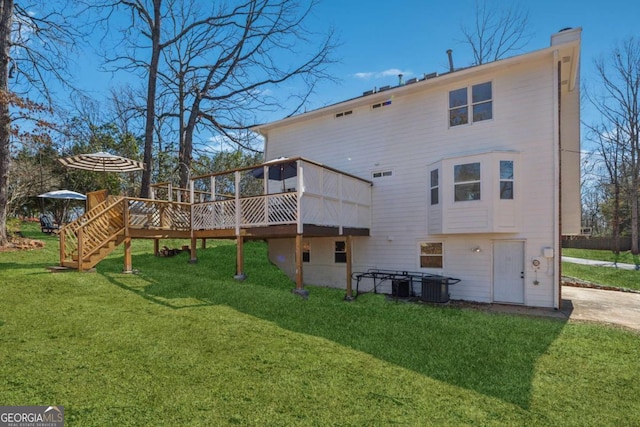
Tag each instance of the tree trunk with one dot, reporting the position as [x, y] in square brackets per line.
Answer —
[634, 216]
[186, 146]
[6, 17]
[145, 188]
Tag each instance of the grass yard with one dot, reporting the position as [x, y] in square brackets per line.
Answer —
[608, 276]
[185, 344]
[624, 257]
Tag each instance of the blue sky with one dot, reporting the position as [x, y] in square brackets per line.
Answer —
[380, 38]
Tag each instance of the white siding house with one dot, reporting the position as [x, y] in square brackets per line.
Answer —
[475, 175]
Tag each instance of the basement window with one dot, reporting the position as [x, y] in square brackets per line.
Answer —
[340, 255]
[306, 251]
[431, 255]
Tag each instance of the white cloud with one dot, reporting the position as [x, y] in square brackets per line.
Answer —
[381, 74]
[364, 76]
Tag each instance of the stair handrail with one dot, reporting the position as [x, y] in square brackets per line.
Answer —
[69, 232]
[74, 232]
[96, 211]
[99, 243]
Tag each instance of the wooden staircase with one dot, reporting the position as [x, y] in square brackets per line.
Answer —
[93, 236]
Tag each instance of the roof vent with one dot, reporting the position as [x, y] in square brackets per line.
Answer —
[368, 92]
[383, 88]
[412, 80]
[450, 55]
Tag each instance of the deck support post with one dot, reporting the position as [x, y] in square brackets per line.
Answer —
[299, 290]
[127, 255]
[192, 251]
[239, 259]
[127, 240]
[348, 247]
[203, 243]
[80, 248]
[62, 246]
[156, 247]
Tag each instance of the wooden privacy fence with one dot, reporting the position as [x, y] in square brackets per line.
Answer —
[598, 243]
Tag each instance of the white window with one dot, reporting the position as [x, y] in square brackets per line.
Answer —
[458, 107]
[306, 251]
[431, 255]
[340, 255]
[435, 199]
[481, 104]
[506, 179]
[466, 180]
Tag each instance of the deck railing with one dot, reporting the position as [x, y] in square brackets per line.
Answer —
[158, 214]
[107, 222]
[315, 194]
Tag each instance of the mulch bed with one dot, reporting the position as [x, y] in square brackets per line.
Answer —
[18, 243]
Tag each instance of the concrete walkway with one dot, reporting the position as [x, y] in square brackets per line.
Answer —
[597, 305]
[583, 261]
[583, 305]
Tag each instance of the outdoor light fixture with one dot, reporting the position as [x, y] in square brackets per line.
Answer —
[477, 249]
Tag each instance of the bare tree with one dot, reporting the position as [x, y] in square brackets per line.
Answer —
[619, 106]
[496, 32]
[217, 62]
[34, 39]
[6, 19]
[612, 152]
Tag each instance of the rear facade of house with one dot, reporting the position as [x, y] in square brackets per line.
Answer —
[475, 172]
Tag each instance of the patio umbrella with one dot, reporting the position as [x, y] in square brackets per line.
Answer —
[277, 172]
[64, 194]
[67, 196]
[102, 162]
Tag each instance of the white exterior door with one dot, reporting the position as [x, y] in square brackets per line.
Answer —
[508, 272]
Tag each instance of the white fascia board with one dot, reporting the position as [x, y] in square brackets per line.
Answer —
[442, 79]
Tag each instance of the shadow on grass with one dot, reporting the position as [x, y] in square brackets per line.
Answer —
[492, 354]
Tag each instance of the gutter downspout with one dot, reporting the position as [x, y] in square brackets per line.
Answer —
[557, 197]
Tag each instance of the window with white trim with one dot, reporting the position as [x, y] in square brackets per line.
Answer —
[466, 178]
[431, 255]
[340, 255]
[481, 104]
[306, 251]
[433, 183]
[506, 179]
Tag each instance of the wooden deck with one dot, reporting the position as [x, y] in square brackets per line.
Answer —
[317, 202]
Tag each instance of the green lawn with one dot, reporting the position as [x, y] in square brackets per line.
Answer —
[607, 276]
[624, 257]
[184, 344]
